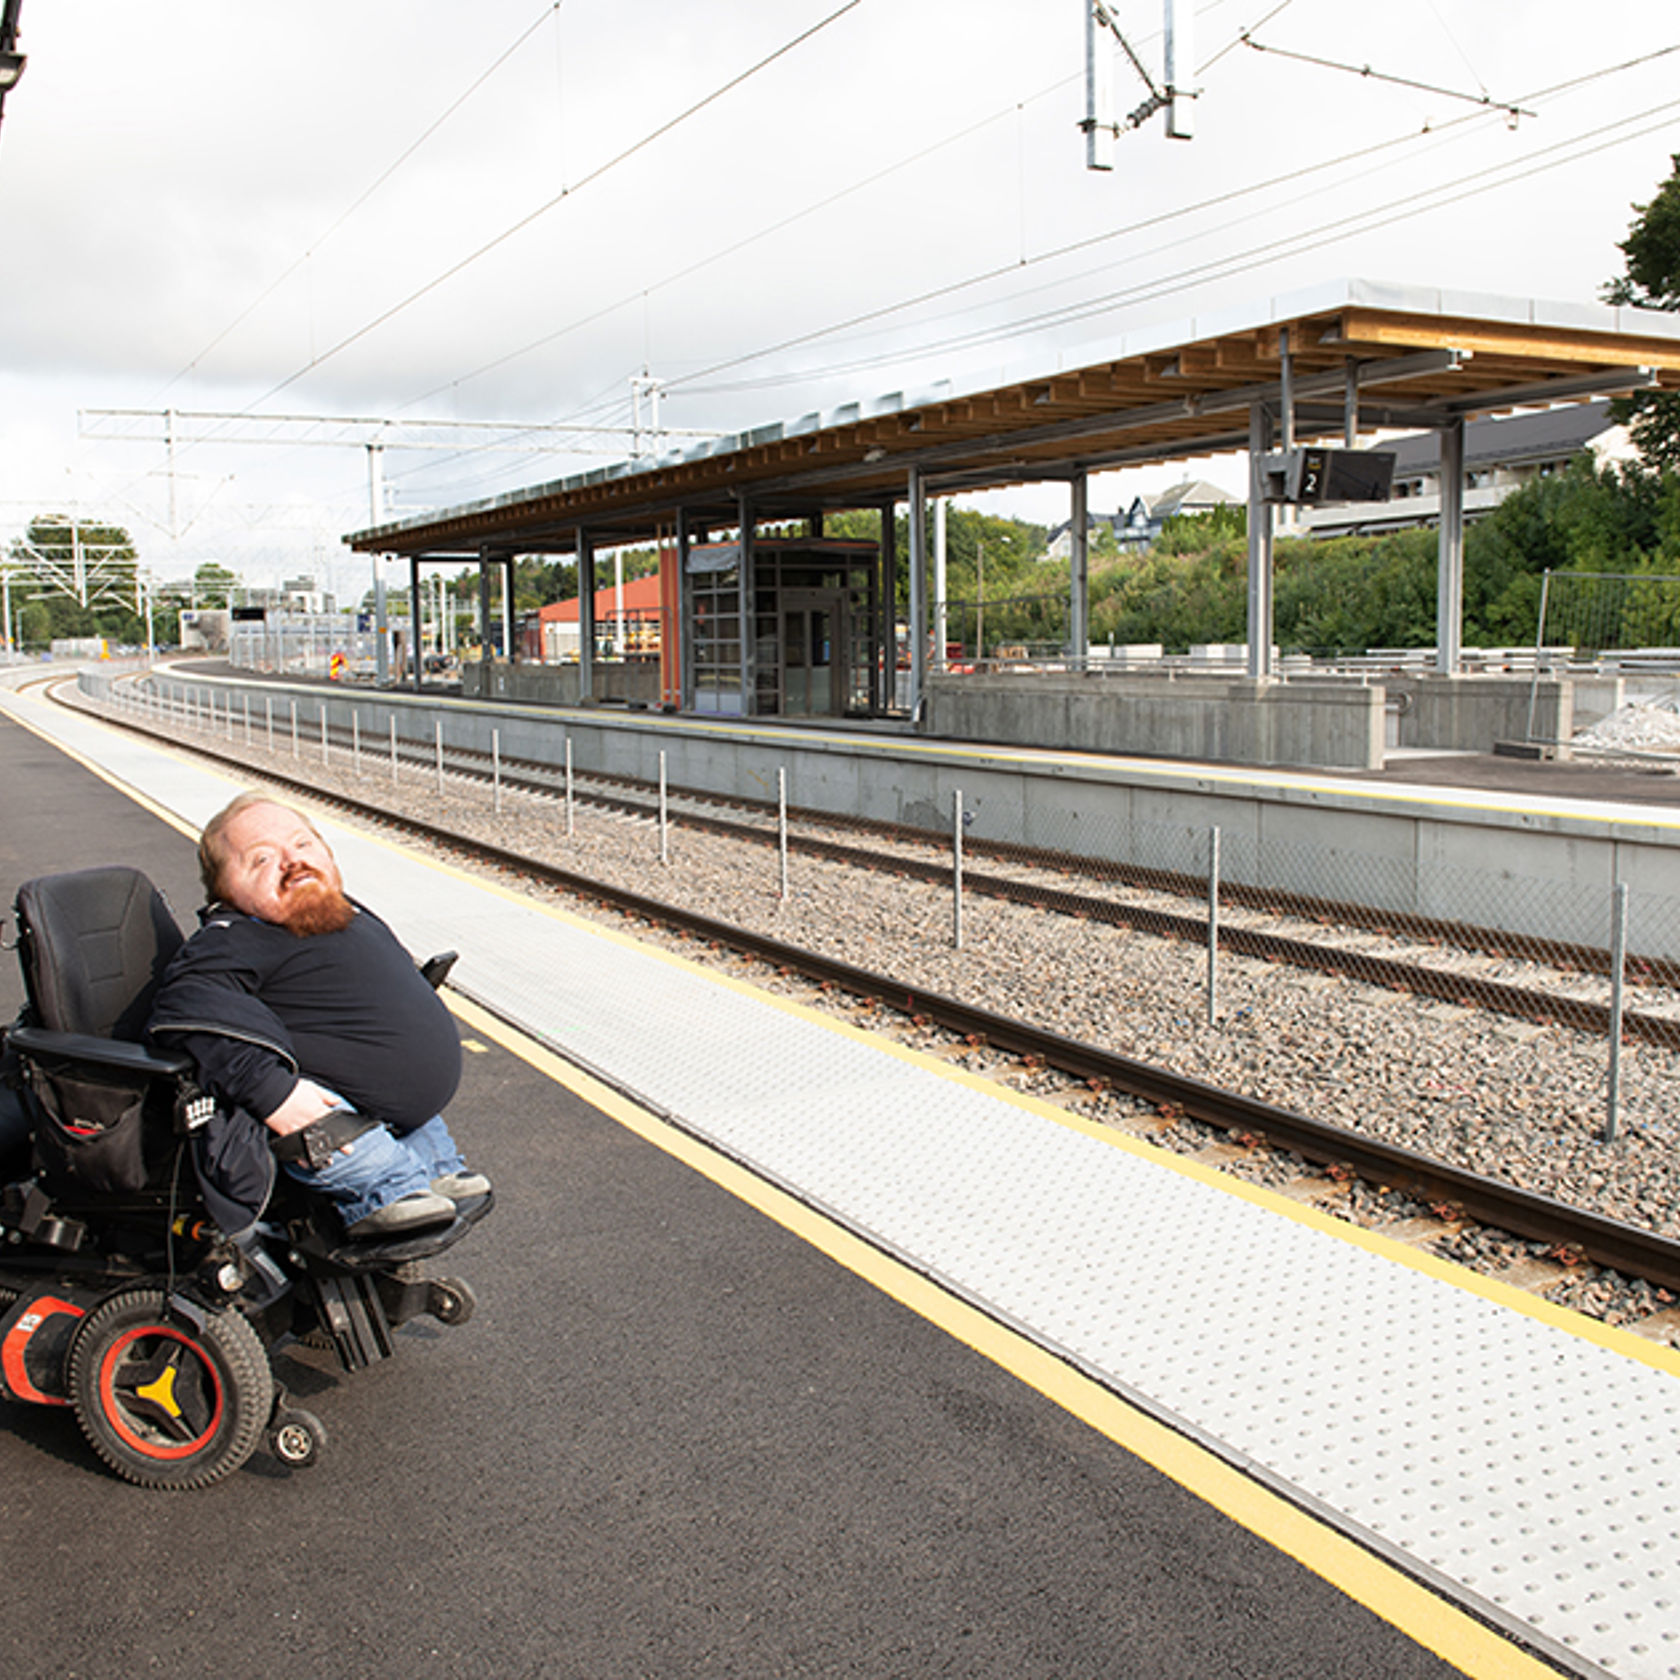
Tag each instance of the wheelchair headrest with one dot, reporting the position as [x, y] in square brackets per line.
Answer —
[94, 945]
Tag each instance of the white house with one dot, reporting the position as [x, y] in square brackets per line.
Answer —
[1140, 524]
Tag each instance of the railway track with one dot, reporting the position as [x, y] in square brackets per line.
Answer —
[1455, 1196]
[905, 851]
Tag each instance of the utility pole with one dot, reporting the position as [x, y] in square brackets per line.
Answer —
[1173, 94]
[11, 60]
[376, 516]
[1099, 125]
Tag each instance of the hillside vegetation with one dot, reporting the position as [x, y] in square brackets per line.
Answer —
[1347, 594]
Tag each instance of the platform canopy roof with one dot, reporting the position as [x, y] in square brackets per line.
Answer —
[1419, 359]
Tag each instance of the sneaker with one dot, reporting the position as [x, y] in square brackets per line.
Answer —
[461, 1186]
[408, 1213]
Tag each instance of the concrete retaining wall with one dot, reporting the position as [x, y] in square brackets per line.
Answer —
[631, 682]
[1471, 713]
[1330, 726]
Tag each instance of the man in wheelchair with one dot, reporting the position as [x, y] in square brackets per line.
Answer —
[311, 1026]
[268, 1167]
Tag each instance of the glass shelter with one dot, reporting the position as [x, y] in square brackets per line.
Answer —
[809, 607]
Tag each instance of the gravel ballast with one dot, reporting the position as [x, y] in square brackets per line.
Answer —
[1514, 1100]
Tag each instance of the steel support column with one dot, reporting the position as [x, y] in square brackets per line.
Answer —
[683, 629]
[586, 616]
[486, 642]
[414, 621]
[1449, 579]
[918, 595]
[1259, 545]
[886, 612]
[508, 649]
[941, 618]
[1079, 570]
[748, 612]
[376, 508]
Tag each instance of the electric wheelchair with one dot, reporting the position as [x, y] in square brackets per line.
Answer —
[119, 1295]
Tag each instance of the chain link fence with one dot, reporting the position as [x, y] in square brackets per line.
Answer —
[303, 645]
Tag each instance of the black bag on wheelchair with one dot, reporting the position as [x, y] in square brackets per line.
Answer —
[93, 946]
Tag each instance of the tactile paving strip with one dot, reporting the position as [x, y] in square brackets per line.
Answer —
[1533, 1473]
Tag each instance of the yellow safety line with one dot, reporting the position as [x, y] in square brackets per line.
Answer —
[1422, 1615]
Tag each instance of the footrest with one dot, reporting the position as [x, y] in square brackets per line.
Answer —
[393, 1251]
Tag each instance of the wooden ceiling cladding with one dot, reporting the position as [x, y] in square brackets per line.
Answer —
[1182, 400]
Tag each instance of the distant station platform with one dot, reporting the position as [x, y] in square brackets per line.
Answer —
[1530, 848]
[1605, 787]
[1496, 1479]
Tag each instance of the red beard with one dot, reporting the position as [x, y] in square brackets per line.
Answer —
[313, 907]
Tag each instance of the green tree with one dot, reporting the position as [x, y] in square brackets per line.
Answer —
[213, 584]
[1348, 594]
[1651, 280]
[74, 578]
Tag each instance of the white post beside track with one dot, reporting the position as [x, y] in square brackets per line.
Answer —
[664, 815]
[782, 826]
[957, 868]
[1213, 928]
[1618, 970]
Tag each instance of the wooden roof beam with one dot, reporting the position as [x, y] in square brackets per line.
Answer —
[1495, 338]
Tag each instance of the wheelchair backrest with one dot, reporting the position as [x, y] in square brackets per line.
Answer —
[94, 945]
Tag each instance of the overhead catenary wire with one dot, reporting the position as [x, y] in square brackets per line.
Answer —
[506, 234]
[533, 216]
[806, 211]
[694, 382]
[1375, 217]
[691, 382]
[1295, 244]
[1365, 70]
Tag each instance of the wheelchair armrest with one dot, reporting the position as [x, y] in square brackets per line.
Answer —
[435, 970]
[111, 1055]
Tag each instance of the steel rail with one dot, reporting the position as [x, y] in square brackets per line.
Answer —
[1391, 973]
[1488, 1201]
[1176, 883]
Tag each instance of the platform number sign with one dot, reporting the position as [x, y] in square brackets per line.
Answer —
[1313, 476]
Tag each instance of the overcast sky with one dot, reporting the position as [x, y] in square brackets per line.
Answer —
[418, 209]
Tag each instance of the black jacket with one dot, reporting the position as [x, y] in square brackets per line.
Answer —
[256, 1006]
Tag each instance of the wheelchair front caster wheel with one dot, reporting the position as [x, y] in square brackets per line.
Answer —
[450, 1300]
[296, 1438]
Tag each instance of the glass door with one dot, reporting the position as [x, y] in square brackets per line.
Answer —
[812, 634]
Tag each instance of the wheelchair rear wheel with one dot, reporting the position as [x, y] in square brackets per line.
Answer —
[166, 1401]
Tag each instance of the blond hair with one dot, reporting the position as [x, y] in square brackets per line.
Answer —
[212, 853]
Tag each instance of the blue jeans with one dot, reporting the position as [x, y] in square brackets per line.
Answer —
[381, 1167]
